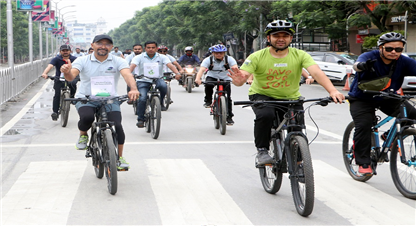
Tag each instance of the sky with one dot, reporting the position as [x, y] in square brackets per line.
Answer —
[115, 12]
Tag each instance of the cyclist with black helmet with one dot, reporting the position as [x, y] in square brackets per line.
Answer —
[217, 66]
[385, 62]
[276, 73]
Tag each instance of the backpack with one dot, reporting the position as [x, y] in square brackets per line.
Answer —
[211, 64]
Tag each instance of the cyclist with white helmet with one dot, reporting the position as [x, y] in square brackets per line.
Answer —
[386, 60]
[276, 73]
[217, 66]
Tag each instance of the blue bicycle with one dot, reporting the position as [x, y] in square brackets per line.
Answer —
[400, 142]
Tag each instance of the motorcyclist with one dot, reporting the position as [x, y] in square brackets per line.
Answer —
[188, 59]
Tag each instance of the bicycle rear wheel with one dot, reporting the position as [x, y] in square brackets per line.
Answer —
[215, 114]
[223, 115]
[155, 117]
[404, 174]
[270, 175]
[348, 154]
[301, 178]
[110, 157]
[65, 107]
[96, 156]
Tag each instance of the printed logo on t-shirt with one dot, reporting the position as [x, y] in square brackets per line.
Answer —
[110, 70]
[280, 65]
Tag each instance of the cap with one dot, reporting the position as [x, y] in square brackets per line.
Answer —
[65, 47]
[101, 37]
[280, 31]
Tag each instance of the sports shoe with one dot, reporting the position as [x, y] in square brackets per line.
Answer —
[365, 170]
[230, 121]
[54, 116]
[140, 123]
[82, 142]
[263, 157]
[122, 165]
[207, 104]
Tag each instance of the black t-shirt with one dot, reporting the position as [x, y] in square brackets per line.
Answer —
[58, 61]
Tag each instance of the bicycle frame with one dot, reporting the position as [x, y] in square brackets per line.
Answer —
[217, 95]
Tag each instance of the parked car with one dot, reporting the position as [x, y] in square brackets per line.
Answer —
[409, 82]
[336, 65]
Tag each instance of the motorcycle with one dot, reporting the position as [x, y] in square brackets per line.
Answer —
[189, 77]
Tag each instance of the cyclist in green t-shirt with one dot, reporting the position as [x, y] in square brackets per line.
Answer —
[276, 74]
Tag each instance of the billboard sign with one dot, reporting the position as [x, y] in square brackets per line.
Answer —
[42, 16]
[30, 5]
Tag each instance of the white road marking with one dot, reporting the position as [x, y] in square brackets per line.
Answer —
[187, 193]
[359, 202]
[43, 194]
[22, 112]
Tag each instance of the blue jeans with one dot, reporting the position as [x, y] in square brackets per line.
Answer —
[143, 88]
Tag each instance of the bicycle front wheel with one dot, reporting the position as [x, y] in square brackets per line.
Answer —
[155, 117]
[215, 114]
[348, 154]
[65, 106]
[110, 157]
[223, 115]
[301, 178]
[96, 156]
[404, 174]
[166, 100]
[270, 175]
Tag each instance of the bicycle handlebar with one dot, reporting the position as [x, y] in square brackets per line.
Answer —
[217, 82]
[388, 94]
[321, 101]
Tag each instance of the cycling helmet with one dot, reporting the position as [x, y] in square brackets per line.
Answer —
[391, 37]
[189, 48]
[279, 25]
[163, 47]
[218, 48]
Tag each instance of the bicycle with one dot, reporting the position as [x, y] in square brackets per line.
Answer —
[400, 142]
[153, 112]
[64, 106]
[290, 150]
[167, 100]
[219, 105]
[103, 145]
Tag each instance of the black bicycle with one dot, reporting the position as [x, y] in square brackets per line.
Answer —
[400, 142]
[290, 150]
[153, 112]
[167, 100]
[103, 145]
[219, 105]
[64, 106]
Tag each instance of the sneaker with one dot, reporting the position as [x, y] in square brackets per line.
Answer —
[365, 170]
[230, 121]
[54, 116]
[122, 165]
[82, 142]
[207, 104]
[140, 123]
[263, 158]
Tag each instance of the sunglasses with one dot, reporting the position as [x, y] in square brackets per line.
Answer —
[390, 49]
[162, 51]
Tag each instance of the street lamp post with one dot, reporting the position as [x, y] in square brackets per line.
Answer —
[348, 46]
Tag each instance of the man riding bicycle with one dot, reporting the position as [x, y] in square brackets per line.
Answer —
[276, 73]
[386, 62]
[100, 72]
[150, 64]
[217, 66]
[57, 62]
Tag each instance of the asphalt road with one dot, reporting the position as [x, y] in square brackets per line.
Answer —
[190, 175]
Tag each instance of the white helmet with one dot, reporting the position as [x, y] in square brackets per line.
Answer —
[189, 48]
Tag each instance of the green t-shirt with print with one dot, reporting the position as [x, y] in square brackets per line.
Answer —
[277, 77]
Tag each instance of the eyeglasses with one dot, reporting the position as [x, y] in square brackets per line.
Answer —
[99, 44]
[390, 49]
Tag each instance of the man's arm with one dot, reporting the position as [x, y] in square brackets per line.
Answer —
[324, 81]
[132, 66]
[178, 66]
[46, 71]
[308, 79]
[131, 82]
[173, 68]
[199, 75]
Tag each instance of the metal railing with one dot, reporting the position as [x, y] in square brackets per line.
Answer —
[24, 75]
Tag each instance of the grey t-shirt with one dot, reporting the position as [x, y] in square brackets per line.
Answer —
[90, 67]
[218, 71]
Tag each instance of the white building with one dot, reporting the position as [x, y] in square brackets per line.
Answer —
[81, 34]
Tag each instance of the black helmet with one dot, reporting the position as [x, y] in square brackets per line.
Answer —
[391, 37]
[279, 25]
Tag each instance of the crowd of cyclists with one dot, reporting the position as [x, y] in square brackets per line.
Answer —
[273, 72]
